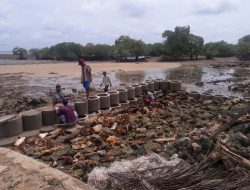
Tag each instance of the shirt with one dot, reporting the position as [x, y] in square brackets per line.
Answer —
[106, 81]
[86, 73]
[58, 96]
[150, 95]
[68, 112]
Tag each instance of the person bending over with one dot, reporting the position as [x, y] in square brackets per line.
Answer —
[106, 82]
[67, 114]
[148, 97]
[58, 96]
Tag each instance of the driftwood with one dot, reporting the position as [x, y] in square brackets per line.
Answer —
[239, 159]
[230, 124]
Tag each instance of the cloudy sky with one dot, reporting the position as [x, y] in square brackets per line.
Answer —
[42, 23]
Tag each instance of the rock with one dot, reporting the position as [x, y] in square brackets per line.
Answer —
[101, 152]
[141, 130]
[113, 140]
[183, 141]
[30, 151]
[207, 102]
[114, 126]
[97, 139]
[98, 128]
[78, 173]
[116, 151]
[146, 121]
[175, 124]
[196, 147]
[184, 117]
[128, 151]
[151, 146]
[205, 115]
[151, 134]
[93, 156]
[242, 139]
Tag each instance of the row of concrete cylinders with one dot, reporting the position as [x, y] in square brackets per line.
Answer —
[46, 116]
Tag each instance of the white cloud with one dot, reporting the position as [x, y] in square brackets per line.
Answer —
[42, 23]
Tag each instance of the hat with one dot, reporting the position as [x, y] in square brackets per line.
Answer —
[81, 61]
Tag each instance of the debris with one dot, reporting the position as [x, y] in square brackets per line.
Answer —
[20, 141]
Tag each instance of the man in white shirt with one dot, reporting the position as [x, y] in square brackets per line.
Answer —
[106, 82]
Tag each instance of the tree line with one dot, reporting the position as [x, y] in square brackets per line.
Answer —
[179, 44]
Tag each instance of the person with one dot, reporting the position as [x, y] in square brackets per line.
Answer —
[106, 82]
[148, 97]
[86, 76]
[58, 96]
[67, 114]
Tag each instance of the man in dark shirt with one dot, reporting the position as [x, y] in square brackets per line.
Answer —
[58, 95]
[67, 114]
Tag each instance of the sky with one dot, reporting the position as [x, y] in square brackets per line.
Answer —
[43, 23]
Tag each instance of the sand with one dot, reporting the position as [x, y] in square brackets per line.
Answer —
[72, 68]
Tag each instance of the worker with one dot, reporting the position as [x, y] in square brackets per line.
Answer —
[68, 116]
[58, 96]
[106, 82]
[148, 97]
[86, 76]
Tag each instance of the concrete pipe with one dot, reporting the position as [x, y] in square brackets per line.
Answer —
[194, 94]
[32, 120]
[132, 101]
[138, 90]
[175, 85]
[12, 127]
[81, 108]
[104, 101]
[94, 104]
[151, 87]
[125, 103]
[157, 85]
[205, 96]
[164, 85]
[123, 95]
[49, 116]
[114, 98]
[131, 92]
[115, 106]
[144, 86]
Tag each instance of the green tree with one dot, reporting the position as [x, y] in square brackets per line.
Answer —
[176, 43]
[126, 46]
[196, 44]
[155, 49]
[21, 52]
[244, 47]
[98, 52]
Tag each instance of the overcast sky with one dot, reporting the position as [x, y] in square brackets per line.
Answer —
[42, 23]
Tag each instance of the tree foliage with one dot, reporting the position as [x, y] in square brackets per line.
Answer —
[219, 49]
[126, 46]
[244, 47]
[21, 52]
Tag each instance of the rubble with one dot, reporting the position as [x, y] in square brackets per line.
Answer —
[173, 125]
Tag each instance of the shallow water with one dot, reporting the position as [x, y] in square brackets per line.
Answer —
[215, 80]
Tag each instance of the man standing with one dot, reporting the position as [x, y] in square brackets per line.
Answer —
[86, 76]
[106, 82]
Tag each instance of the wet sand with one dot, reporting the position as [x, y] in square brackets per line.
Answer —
[72, 68]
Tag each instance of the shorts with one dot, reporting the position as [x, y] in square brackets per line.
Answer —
[86, 84]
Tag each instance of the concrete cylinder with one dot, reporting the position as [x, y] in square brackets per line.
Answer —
[194, 94]
[114, 98]
[246, 99]
[32, 120]
[115, 106]
[205, 96]
[104, 101]
[144, 86]
[132, 101]
[157, 85]
[123, 95]
[125, 103]
[138, 90]
[12, 127]
[81, 108]
[164, 85]
[49, 116]
[94, 104]
[151, 86]
[131, 92]
[175, 85]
